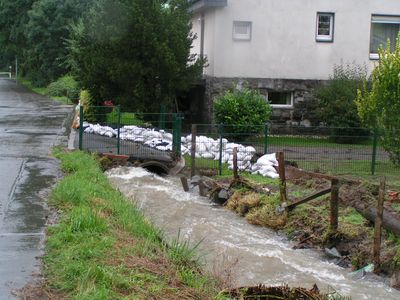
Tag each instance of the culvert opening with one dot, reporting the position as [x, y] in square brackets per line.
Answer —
[155, 167]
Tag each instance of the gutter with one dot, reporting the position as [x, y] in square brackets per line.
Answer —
[201, 5]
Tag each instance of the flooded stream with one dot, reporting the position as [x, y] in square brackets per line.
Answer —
[257, 255]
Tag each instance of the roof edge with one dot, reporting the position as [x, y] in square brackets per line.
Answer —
[201, 5]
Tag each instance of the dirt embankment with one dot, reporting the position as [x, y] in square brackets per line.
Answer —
[308, 224]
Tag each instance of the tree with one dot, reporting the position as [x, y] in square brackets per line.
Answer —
[380, 107]
[337, 107]
[46, 33]
[135, 52]
[13, 19]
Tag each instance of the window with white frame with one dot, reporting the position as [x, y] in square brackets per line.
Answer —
[280, 99]
[383, 28]
[325, 26]
[241, 31]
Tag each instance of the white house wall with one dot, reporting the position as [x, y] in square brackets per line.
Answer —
[283, 43]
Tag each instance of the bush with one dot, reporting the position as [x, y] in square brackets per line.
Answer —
[380, 107]
[87, 102]
[246, 110]
[65, 86]
[337, 103]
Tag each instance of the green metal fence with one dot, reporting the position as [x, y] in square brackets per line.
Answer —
[355, 151]
[139, 135]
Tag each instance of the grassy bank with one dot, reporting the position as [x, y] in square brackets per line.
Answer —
[42, 91]
[104, 248]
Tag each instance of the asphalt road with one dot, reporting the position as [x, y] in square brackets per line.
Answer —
[30, 125]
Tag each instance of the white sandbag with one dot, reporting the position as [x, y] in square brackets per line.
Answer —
[267, 168]
[250, 149]
[207, 155]
[167, 136]
[271, 175]
[267, 159]
[201, 148]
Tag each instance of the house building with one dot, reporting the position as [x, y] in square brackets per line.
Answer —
[285, 48]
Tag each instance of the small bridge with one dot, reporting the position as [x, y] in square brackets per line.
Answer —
[5, 75]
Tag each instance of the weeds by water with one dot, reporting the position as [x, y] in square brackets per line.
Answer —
[104, 248]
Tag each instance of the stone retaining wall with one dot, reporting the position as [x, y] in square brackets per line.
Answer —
[302, 91]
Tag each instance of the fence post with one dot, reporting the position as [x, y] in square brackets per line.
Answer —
[179, 135]
[81, 116]
[378, 228]
[282, 177]
[221, 130]
[334, 203]
[174, 134]
[161, 124]
[119, 130]
[374, 150]
[177, 140]
[266, 129]
[193, 151]
[235, 163]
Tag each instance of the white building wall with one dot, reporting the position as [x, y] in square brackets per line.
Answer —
[283, 41]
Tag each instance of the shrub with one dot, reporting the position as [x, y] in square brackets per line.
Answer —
[380, 107]
[65, 86]
[87, 102]
[246, 110]
[337, 103]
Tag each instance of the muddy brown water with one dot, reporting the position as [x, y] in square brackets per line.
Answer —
[253, 254]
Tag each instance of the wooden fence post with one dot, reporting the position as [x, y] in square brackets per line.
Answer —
[193, 151]
[185, 184]
[282, 177]
[235, 163]
[378, 228]
[334, 203]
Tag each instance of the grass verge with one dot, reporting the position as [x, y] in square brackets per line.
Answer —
[104, 248]
[42, 91]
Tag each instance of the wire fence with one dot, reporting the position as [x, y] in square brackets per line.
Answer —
[139, 135]
[351, 151]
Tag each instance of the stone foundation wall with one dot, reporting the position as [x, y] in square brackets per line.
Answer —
[302, 91]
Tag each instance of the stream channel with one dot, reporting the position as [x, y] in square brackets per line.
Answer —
[254, 254]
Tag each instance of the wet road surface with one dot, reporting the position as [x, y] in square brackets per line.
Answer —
[30, 125]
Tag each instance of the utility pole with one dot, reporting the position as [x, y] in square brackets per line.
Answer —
[16, 69]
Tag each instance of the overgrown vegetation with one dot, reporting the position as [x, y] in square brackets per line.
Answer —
[380, 107]
[245, 111]
[337, 107]
[104, 248]
[65, 86]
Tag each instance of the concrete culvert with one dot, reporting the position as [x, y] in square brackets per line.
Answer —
[155, 167]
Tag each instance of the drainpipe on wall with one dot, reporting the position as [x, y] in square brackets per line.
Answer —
[202, 23]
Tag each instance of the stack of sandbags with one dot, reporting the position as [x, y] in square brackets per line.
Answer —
[206, 147]
[100, 130]
[265, 166]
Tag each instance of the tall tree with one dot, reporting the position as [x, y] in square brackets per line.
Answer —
[13, 19]
[136, 52]
[46, 33]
